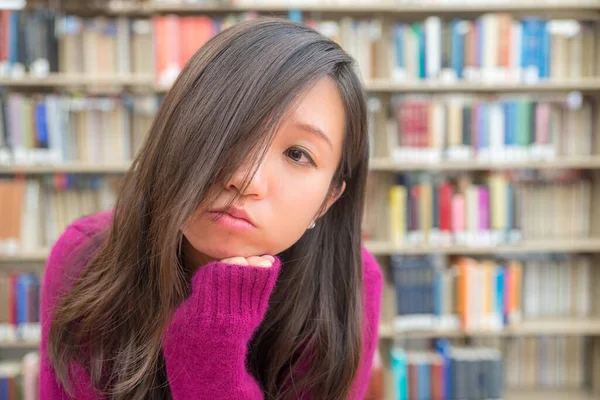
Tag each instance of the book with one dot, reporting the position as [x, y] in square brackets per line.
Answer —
[48, 129]
[489, 294]
[37, 210]
[504, 129]
[447, 372]
[19, 379]
[488, 209]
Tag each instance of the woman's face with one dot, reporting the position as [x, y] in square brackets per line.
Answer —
[289, 187]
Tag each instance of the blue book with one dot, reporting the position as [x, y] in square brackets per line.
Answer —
[400, 373]
[524, 41]
[424, 380]
[545, 50]
[22, 300]
[443, 347]
[41, 125]
[458, 48]
[437, 293]
[499, 298]
[506, 113]
[418, 31]
[531, 44]
[13, 45]
[4, 389]
[295, 15]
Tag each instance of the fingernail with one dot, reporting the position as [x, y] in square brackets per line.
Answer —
[270, 258]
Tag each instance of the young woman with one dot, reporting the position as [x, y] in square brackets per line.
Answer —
[231, 266]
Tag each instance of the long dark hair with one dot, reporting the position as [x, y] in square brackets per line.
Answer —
[227, 103]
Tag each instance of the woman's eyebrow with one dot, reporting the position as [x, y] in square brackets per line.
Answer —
[313, 129]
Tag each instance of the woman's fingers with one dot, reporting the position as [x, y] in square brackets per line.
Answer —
[259, 261]
[255, 261]
[235, 260]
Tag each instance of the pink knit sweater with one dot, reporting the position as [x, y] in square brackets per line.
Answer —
[206, 343]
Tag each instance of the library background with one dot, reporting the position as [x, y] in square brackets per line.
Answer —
[484, 123]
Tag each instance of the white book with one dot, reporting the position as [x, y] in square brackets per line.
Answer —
[496, 132]
[30, 225]
[433, 47]
[516, 72]
[123, 47]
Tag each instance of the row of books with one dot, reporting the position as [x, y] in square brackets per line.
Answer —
[448, 373]
[36, 211]
[50, 129]
[19, 307]
[546, 362]
[510, 128]
[493, 48]
[495, 208]
[20, 379]
[99, 129]
[446, 370]
[488, 294]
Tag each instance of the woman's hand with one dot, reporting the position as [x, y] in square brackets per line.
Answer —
[254, 261]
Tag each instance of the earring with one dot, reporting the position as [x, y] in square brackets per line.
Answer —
[312, 225]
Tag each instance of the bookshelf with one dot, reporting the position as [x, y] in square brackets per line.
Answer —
[146, 83]
[141, 77]
[377, 164]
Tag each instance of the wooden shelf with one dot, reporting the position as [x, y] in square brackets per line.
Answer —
[378, 164]
[400, 9]
[582, 85]
[71, 80]
[568, 245]
[586, 245]
[147, 83]
[577, 162]
[563, 327]
[30, 256]
[69, 168]
[549, 394]
[21, 344]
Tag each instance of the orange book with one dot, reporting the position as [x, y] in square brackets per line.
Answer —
[461, 291]
[504, 42]
[517, 279]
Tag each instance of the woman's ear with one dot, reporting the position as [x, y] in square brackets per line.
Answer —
[334, 197]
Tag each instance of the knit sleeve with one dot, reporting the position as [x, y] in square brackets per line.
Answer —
[206, 342]
[55, 282]
[371, 295]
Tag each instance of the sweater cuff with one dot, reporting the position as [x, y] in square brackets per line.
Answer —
[228, 290]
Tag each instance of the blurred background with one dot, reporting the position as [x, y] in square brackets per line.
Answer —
[485, 161]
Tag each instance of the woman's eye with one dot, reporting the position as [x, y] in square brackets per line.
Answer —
[299, 156]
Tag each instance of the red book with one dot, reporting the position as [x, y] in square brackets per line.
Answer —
[12, 297]
[413, 383]
[445, 204]
[437, 380]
